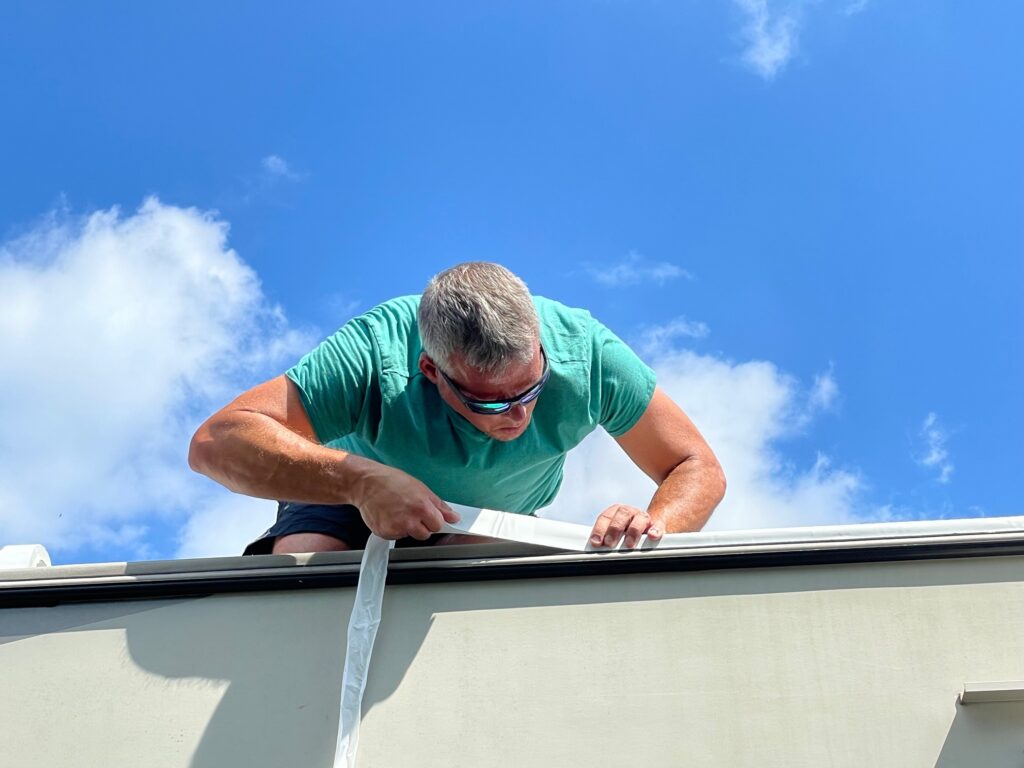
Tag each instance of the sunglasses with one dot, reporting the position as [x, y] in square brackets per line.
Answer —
[494, 407]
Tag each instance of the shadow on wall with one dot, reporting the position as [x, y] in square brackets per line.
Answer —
[279, 653]
[984, 735]
[282, 654]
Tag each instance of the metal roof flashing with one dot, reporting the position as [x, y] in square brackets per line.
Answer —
[708, 550]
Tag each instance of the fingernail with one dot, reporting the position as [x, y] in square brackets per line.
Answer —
[595, 540]
[608, 541]
[654, 532]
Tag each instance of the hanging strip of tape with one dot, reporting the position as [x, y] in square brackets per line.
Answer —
[362, 630]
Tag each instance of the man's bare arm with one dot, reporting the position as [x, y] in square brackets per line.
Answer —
[670, 450]
[263, 444]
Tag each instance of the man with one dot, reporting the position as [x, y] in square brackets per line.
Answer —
[471, 394]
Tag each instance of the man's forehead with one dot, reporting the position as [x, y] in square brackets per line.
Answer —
[497, 376]
[509, 380]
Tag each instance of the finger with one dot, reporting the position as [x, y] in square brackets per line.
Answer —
[389, 532]
[432, 519]
[449, 514]
[641, 522]
[419, 532]
[384, 529]
[618, 524]
[654, 532]
[601, 526]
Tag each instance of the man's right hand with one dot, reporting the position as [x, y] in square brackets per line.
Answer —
[395, 504]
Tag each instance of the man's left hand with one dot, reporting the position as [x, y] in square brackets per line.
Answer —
[619, 520]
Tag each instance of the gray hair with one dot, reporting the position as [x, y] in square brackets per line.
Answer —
[481, 311]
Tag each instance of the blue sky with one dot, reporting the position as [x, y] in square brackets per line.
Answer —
[808, 215]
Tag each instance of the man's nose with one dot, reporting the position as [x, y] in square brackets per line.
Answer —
[517, 413]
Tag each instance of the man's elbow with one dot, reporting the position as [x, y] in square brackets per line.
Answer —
[200, 450]
[712, 478]
[718, 481]
[707, 474]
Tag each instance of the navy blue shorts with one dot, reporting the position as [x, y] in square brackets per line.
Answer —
[342, 522]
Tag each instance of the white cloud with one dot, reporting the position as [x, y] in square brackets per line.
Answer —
[118, 335]
[935, 455]
[655, 340]
[635, 269]
[770, 33]
[277, 166]
[824, 392]
[270, 184]
[340, 307]
[745, 411]
[854, 7]
[224, 524]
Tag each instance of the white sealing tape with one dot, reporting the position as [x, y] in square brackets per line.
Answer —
[527, 529]
[362, 630]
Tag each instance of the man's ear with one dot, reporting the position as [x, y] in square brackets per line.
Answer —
[429, 368]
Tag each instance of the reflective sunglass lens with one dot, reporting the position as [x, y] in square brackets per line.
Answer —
[530, 397]
[488, 407]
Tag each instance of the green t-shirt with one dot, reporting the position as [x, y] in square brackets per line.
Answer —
[364, 393]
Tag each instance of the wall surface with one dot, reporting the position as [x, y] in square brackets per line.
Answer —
[822, 665]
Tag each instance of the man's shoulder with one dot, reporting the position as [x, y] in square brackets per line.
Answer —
[554, 314]
[394, 319]
[404, 307]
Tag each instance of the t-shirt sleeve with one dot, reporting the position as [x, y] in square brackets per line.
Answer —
[623, 383]
[336, 381]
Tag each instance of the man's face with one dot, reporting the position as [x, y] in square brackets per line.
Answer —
[477, 385]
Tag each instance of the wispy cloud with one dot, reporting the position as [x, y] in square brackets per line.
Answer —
[634, 270]
[340, 307]
[854, 7]
[770, 33]
[118, 335]
[934, 454]
[269, 183]
[824, 392]
[772, 29]
[277, 167]
[655, 340]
